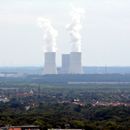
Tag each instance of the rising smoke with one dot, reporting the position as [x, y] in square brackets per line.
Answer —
[74, 29]
[49, 34]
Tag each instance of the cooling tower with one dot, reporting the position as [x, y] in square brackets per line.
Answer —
[75, 63]
[65, 63]
[50, 63]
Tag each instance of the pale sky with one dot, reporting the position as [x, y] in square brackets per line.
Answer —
[105, 32]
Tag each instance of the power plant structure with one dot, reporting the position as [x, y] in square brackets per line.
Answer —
[65, 64]
[71, 63]
[75, 65]
[50, 63]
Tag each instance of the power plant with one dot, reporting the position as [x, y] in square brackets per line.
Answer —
[65, 64]
[75, 66]
[50, 63]
[71, 63]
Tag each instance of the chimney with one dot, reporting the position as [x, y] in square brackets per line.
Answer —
[65, 63]
[50, 63]
[75, 63]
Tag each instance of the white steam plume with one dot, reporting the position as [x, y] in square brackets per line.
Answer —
[74, 29]
[49, 34]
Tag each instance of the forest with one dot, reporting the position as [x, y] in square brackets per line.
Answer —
[90, 106]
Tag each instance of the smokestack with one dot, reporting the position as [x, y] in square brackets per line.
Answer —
[49, 38]
[49, 34]
[75, 63]
[65, 63]
[74, 29]
[50, 63]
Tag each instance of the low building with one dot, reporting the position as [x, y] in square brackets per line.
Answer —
[30, 127]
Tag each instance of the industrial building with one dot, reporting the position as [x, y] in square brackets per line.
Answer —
[75, 66]
[71, 63]
[50, 63]
[65, 64]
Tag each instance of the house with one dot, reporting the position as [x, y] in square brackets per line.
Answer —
[30, 127]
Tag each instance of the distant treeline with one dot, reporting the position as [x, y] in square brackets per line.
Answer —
[70, 79]
[86, 70]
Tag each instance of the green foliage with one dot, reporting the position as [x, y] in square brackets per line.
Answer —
[53, 106]
[62, 116]
[40, 122]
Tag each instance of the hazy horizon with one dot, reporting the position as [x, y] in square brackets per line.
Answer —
[105, 32]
